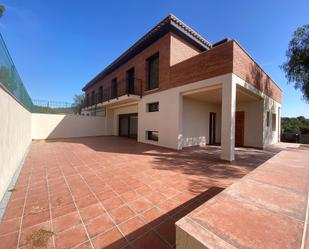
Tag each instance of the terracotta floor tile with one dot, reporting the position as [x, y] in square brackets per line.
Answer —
[11, 213]
[167, 231]
[112, 239]
[35, 218]
[150, 241]
[99, 224]
[154, 216]
[86, 201]
[134, 228]
[140, 205]
[71, 237]
[66, 221]
[27, 232]
[91, 212]
[63, 210]
[9, 226]
[112, 203]
[121, 214]
[130, 196]
[8, 240]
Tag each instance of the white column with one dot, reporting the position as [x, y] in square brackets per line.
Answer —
[228, 119]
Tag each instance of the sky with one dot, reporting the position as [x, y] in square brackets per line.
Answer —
[58, 46]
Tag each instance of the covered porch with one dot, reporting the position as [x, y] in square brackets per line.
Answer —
[226, 115]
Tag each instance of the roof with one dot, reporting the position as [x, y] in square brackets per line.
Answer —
[169, 24]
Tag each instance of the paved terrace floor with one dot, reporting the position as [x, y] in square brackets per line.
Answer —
[111, 192]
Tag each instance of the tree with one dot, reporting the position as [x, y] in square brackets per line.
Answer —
[296, 67]
[78, 101]
[2, 9]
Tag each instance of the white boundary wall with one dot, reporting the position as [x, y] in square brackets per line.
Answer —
[15, 137]
[51, 126]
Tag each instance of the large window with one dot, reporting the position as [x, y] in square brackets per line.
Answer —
[92, 97]
[87, 100]
[114, 90]
[130, 80]
[100, 97]
[153, 71]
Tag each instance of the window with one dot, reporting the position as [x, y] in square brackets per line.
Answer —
[92, 98]
[130, 80]
[152, 135]
[274, 122]
[153, 71]
[268, 118]
[87, 99]
[114, 90]
[153, 107]
[100, 97]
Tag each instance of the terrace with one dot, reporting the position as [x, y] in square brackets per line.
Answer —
[111, 192]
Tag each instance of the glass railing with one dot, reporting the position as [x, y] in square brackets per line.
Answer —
[10, 78]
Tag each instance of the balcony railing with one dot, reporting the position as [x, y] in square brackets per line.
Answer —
[116, 90]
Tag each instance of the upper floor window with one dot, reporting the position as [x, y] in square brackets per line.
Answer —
[100, 97]
[114, 88]
[153, 71]
[92, 97]
[87, 99]
[130, 80]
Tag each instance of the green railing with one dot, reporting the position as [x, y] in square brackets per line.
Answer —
[10, 78]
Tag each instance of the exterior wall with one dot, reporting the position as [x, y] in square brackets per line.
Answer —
[268, 104]
[270, 136]
[15, 137]
[118, 111]
[181, 50]
[168, 121]
[195, 122]
[165, 121]
[253, 134]
[50, 126]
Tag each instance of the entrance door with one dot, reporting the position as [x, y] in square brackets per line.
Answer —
[239, 128]
[212, 128]
[128, 125]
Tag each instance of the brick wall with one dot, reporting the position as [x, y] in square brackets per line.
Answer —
[139, 63]
[245, 68]
[181, 64]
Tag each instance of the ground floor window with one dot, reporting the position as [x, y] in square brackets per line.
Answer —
[152, 135]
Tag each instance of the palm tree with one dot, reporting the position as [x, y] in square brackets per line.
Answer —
[2, 9]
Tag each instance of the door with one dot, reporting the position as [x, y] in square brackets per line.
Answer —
[239, 128]
[128, 125]
[212, 128]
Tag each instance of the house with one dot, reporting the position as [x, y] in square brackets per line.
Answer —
[175, 89]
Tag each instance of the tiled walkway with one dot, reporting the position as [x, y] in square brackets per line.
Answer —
[111, 192]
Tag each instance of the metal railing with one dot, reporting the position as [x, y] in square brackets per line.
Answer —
[10, 78]
[122, 88]
[53, 107]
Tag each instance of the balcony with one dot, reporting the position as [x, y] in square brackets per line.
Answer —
[119, 92]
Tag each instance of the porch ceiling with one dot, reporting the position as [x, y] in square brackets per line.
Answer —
[214, 96]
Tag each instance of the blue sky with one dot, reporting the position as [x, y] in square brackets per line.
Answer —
[58, 46]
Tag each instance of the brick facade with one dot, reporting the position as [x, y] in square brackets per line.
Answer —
[181, 63]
